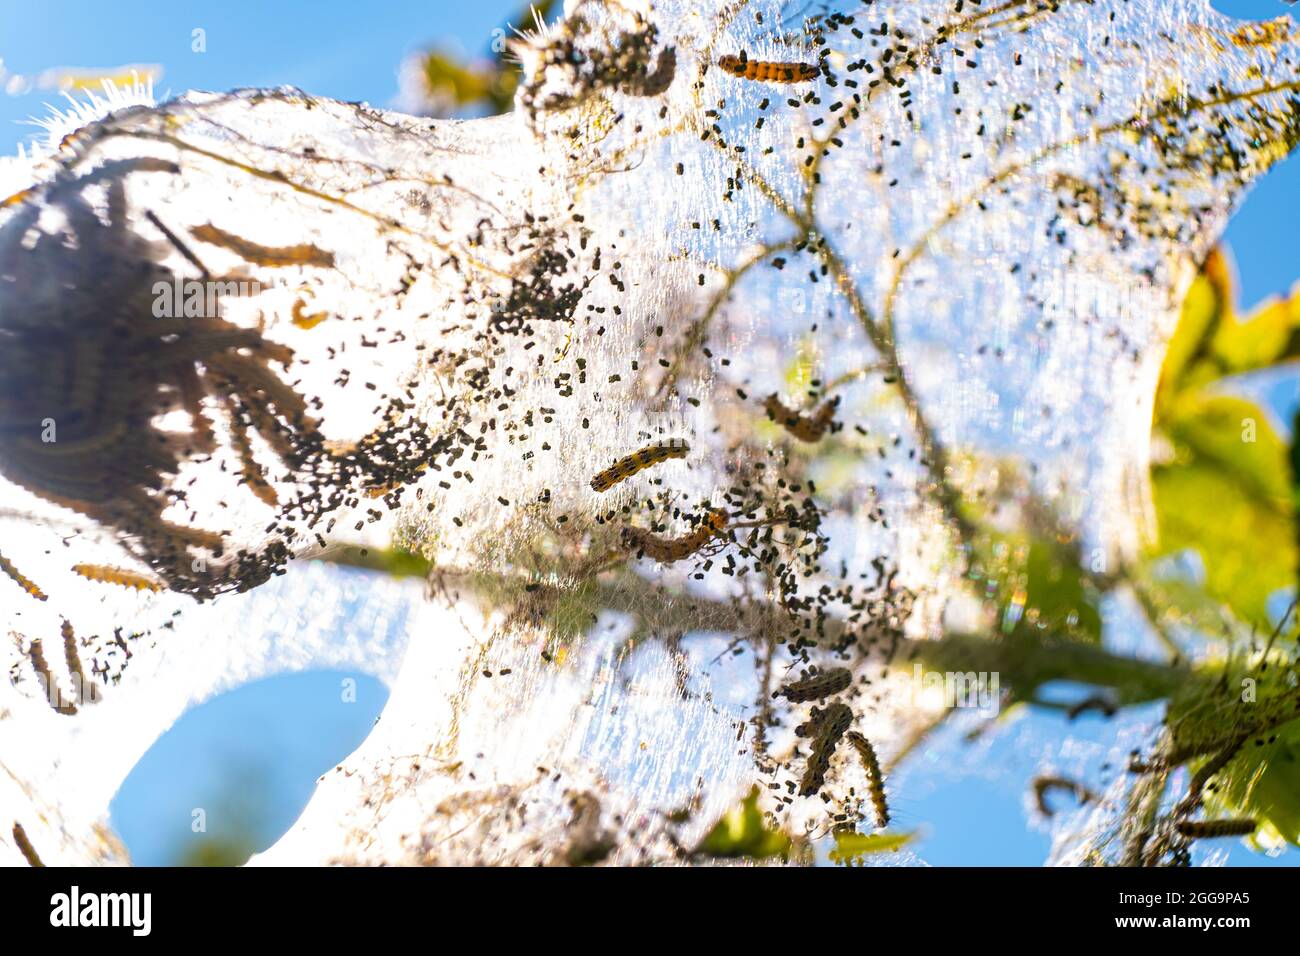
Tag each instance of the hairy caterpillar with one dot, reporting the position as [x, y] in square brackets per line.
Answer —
[1202, 829]
[875, 779]
[36, 653]
[84, 687]
[807, 428]
[668, 550]
[25, 845]
[767, 71]
[22, 581]
[639, 460]
[119, 576]
[818, 686]
[831, 724]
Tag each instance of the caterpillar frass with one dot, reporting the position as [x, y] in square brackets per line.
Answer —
[36, 653]
[1207, 829]
[667, 550]
[639, 460]
[818, 686]
[25, 845]
[875, 779]
[85, 688]
[122, 578]
[830, 727]
[20, 579]
[805, 427]
[767, 71]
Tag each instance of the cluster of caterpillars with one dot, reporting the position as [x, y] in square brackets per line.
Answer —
[827, 726]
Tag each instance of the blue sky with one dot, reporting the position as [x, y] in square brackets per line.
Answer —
[258, 750]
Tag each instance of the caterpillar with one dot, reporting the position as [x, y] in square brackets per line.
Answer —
[25, 845]
[1042, 785]
[818, 686]
[303, 254]
[1202, 829]
[806, 428]
[768, 71]
[250, 470]
[639, 460]
[831, 724]
[668, 550]
[45, 677]
[654, 82]
[21, 580]
[875, 779]
[119, 576]
[302, 319]
[85, 688]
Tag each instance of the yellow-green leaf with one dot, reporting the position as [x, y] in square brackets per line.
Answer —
[743, 832]
[1247, 547]
[851, 846]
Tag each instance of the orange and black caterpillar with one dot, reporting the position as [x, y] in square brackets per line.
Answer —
[668, 550]
[23, 582]
[1201, 829]
[122, 578]
[809, 428]
[768, 71]
[875, 779]
[639, 460]
[829, 726]
[818, 686]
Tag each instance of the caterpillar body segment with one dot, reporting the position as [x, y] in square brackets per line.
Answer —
[639, 460]
[818, 686]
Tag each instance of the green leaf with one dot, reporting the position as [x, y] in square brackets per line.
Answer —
[1208, 300]
[744, 832]
[851, 847]
[466, 85]
[1039, 580]
[1230, 500]
[1269, 336]
[1263, 782]
[1234, 436]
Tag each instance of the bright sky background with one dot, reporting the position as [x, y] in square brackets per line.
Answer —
[259, 749]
